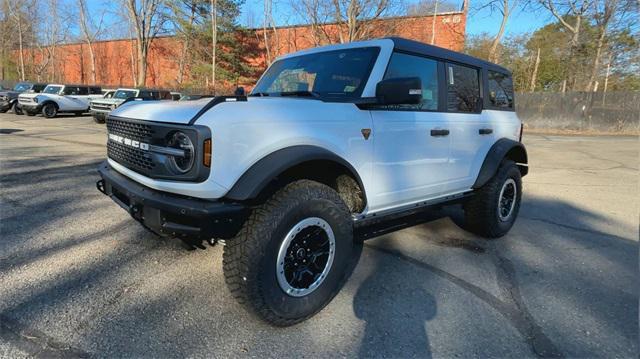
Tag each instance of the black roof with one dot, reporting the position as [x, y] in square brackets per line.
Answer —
[439, 52]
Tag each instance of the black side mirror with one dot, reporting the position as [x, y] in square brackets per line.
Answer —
[399, 91]
[239, 91]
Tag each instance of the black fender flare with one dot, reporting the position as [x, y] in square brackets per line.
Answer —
[261, 173]
[504, 147]
[41, 105]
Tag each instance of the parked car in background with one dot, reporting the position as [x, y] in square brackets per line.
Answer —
[100, 108]
[9, 99]
[176, 95]
[55, 99]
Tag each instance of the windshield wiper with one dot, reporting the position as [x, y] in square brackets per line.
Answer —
[300, 94]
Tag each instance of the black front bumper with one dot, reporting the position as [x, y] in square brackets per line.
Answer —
[172, 215]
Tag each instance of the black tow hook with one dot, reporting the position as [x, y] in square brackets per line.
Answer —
[100, 187]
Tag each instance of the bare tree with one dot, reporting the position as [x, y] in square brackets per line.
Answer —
[605, 12]
[89, 33]
[317, 14]
[16, 16]
[357, 18]
[214, 41]
[505, 8]
[147, 18]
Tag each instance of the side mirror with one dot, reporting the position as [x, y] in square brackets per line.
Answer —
[239, 91]
[399, 91]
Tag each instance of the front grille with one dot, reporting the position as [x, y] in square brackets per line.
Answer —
[25, 99]
[100, 106]
[133, 130]
[130, 157]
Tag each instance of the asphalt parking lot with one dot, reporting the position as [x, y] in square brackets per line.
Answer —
[78, 277]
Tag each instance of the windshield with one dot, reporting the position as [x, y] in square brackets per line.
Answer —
[52, 89]
[22, 87]
[124, 94]
[340, 73]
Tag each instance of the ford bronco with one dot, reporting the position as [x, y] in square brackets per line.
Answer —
[330, 138]
[59, 98]
[9, 99]
[100, 108]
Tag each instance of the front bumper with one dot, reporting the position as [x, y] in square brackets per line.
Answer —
[31, 107]
[171, 215]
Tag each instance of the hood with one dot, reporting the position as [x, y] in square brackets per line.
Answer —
[161, 111]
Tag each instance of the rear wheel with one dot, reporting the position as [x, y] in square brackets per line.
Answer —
[493, 210]
[49, 110]
[293, 254]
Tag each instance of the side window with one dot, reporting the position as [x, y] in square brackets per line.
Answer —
[70, 90]
[463, 88]
[403, 65]
[83, 91]
[500, 90]
[144, 94]
[95, 91]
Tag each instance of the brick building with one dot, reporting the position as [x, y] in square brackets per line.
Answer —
[115, 59]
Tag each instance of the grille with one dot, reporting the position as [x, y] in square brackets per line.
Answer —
[100, 106]
[135, 131]
[130, 157]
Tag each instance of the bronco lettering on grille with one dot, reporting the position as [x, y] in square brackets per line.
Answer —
[129, 142]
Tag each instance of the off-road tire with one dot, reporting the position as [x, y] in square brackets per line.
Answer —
[49, 110]
[3, 111]
[250, 259]
[16, 109]
[99, 119]
[481, 211]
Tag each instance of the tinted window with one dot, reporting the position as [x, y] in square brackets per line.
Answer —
[95, 91]
[71, 90]
[38, 87]
[463, 88]
[145, 94]
[403, 65]
[341, 73]
[83, 90]
[500, 90]
[124, 94]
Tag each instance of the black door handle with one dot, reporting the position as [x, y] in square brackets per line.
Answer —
[485, 131]
[439, 132]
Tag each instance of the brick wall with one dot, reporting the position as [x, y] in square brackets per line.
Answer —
[114, 58]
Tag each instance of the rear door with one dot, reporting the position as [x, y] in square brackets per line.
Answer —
[472, 133]
[411, 145]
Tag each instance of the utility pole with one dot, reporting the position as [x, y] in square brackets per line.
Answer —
[433, 23]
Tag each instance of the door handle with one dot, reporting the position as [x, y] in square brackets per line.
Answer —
[436, 133]
[485, 131]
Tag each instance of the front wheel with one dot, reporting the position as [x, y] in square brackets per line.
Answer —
[493, 209]
[16, 108]
[49, 110]
[293, 254]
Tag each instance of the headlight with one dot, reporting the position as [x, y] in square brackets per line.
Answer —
[35, 99]
[113, 107]
[182, 164]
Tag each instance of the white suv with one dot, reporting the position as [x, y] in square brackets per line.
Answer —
[329, 139]
[100, 108]
[59, 98]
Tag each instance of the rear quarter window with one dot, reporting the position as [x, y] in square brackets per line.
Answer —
[463, 88]
[500, 90]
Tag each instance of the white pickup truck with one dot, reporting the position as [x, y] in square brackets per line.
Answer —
[56, 98]
[329, 139]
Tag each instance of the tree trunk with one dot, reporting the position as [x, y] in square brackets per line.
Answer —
[433, 23]
[21, 47]
[214, 42]
[493, 50]
[142, 66]
[267, 8]
[532, 86]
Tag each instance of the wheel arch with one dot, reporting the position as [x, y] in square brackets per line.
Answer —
[48, 101]
[503, 148]
[288, 164]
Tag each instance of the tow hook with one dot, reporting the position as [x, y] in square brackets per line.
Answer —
[100, 186]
